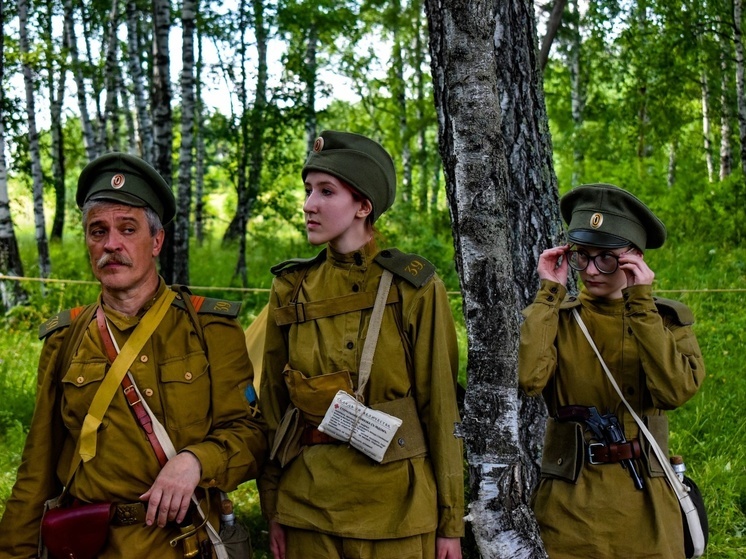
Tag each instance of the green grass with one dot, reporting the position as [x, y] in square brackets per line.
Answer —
[709, 431]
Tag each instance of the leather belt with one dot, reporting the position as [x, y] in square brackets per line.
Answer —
[127, 514]
[312, 436]
[600, 453]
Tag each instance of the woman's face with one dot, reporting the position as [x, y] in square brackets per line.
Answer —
[606, 286]
[333, 214]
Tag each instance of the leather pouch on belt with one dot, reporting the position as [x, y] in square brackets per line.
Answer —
[409, 440]
[78, 531]
[313, 395]
[563, 454]
[658, 426]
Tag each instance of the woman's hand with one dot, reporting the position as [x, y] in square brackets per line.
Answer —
[635, 268]
[276, 539]
[553, 264]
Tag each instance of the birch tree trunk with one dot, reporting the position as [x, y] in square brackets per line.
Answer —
[56, 91]
[399, 93]
[706, 127]
[577, 93]
[85, 118]
[199, 140]
[11, 292]
[145, 123]
[419, 78]
[33, 136]
[738, 41]
[186, 159]
[111, 141]
[726, 151]
[310, 75]
[162, 124]
[501, 188]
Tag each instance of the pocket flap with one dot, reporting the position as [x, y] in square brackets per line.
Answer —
[563, 455]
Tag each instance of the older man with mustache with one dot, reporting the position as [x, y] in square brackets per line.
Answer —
[188, 375]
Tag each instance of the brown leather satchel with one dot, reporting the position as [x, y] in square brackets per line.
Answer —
[76, 532]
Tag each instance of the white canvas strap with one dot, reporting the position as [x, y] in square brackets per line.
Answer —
[374, 327]
[681, 490]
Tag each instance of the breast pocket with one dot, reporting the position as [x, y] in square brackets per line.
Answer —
[79, 386]
[186, 390]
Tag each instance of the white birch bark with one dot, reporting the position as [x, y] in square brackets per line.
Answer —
[72, 41]
[36, 175]
[502, 193]
[145, 123]
[706, 128]
[11, 292]
[111, 140]
[184, 192]
[726, 150]
[199, 140]
[738, 41]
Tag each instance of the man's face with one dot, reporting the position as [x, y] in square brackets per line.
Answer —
[120, 246]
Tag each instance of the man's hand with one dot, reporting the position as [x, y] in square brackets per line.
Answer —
[169, 496]
[448, 548]
[276, 539]
[553, 264]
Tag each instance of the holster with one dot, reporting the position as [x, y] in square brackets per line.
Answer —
[79, 531]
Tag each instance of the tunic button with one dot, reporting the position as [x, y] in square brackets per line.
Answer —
[559, 461]
[148, 392]
[630, 391]
[550, 298]
[628, 306]
[80, 379]
[188, 375]
[553, 290]
[144, 358]
[401, 441]
[350, 345]
[356, 288]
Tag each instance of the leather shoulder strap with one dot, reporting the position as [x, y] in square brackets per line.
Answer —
[411, 267]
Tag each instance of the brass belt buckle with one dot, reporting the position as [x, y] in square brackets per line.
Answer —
[128, 514]
[591, 446]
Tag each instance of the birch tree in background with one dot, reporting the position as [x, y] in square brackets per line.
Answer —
[11, 292]
[496, 151]
[134, 60]
[33, 137]
[109, 133]
[162, 125]
[186, 151]
[75, 63]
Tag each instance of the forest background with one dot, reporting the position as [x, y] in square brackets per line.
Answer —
[647, 95]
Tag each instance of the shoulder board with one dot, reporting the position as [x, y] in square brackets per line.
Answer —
[62, 319]
[295, 263]
[208, 305]
[413, 268]
[677, 309]
[570, 301]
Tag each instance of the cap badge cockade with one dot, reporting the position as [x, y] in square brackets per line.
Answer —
[318, 145]
[597, 220]
[117, 181]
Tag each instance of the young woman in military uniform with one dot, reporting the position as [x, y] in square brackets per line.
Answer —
[587, 504]
[331, 500]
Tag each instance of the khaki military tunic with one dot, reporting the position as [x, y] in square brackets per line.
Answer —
[595, 510]
[196, 392]
[333, 488]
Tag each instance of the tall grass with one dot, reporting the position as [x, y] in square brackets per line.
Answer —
[709, 431]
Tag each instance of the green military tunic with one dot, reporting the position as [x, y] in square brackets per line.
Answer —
[196, 392]
[333, 488]
[595, 510]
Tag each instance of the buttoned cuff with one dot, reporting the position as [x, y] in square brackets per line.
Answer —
[550, 293]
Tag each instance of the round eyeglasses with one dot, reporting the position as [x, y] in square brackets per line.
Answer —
[605, 262]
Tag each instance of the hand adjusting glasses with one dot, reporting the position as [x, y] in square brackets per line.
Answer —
[605, 262]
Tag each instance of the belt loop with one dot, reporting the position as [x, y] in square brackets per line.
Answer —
[300, 317]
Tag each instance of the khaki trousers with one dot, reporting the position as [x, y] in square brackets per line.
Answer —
[307, 544]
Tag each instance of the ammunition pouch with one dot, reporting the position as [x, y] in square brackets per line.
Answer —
[563, 455]
[409, 440]
[658, 427]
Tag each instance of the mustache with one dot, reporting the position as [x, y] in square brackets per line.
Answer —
[113, 258]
